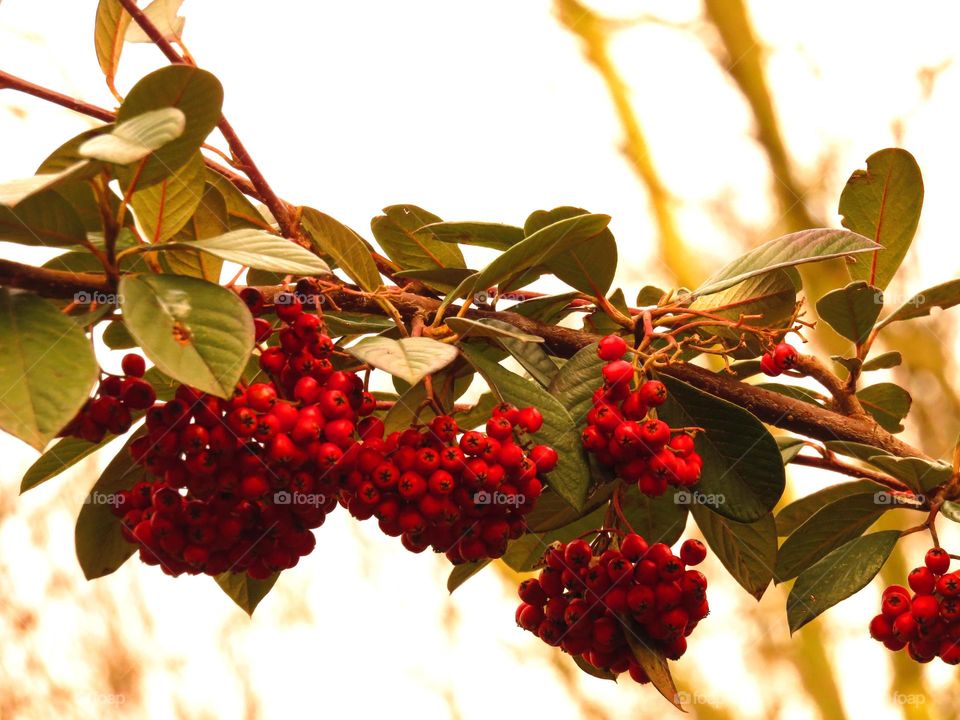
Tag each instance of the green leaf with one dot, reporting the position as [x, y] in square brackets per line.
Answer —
[399, 233]
[351, 323]
[828, 528]
[116, 336]
[45, 219]
[654, 664]
[16, 191]
[255, 248]
[745, 369]
[851, 310]
[478, 414]
[786, 251]
[194, 331]
[541, 246]
[747, 550]
[489, 329]
[571, 478]
[919, 474]
[943, 296]
[950, 510]
[853, 449]
[839, 575]
[883, 202]
[649, 295]
[344, 246]
[442, 279]
[600, 323]
[134, 139]
[244, 590]
[196, 93]
[101, 548]
[888, 403]
[163, 15]
[661, 519]
[461, 573]
[591, 670]
[799, 511]
[65, 453]
[548, 309]
[851, 364]
[111, 26]
[551, 511]
[241, 213]
[589, 268]
[47, 368]
[574, 383]
[209, 220]
[883, 361]
[164, 385]
[789, 446]
[164, 208]
[743, 475]
[489, 235]
[410, 359]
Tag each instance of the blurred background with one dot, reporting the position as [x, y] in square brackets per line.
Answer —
[702, 127]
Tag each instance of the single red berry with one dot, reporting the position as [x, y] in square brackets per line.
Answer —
[611, 347]
[692, 552]
[653, 393]
[544, 457]
[530, 419]
[499, 427]
[261, 396]
[633, 547]
[921, 580]
[287, 306]
[618, 373]
[881, 628]
[785, 356]
[133, 365]
[768, 366]
[937, 560]
[894, 605]
[949, 585]
[924, 609]
[577, 553]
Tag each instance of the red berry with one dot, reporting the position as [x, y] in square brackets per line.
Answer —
[924, 609]
[937, 560]
[261, 396]
[785, 356]
[530, 419]
[653, 393]
[881, 628]
[921, 580]
[618, 373]
[692, 552]
[611, 347]
[544, 457]
[577, 553]
[133, 365]
[768, 366]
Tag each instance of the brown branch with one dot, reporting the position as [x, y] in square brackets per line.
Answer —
[278, 207]
[844, 399]
[51, 283]
[839, 466]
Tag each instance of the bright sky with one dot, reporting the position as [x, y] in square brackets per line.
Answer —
[481, 111]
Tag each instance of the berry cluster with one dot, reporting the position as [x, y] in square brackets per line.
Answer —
[462, 496]
[927, 622]
[623, 433]
[783, 357]
[237, 485]
[588, 604]
[112, 407]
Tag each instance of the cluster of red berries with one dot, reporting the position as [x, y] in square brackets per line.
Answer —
[237, 485]
[926, 622]
[623, 433]
[783, 357]
[464, 496]
[112, 407]
[589, 605]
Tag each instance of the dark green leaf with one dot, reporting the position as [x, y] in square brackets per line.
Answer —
[747, 550]
[571, 478]
[883, 202]
[525, 553]
[116, 337]
[244, 590]
[789, 446]
[950, 510]
[745, 369]
[164, 385]
[101, 548]
[65, 453]
[661, 519]
[888, 403]
[344, 246]
[853, 449]
[196, 93]
[478, 414]
[851, 364]
[489, 235]
[194, 331]
[919, 474]
[461, 573]
[839, 575]
[574, 383]
[799, 511]
[350, 323]
[649, 295]
[442, 279]
[883, 361]
[44, 219]
[589, 268]
[943, 296]
[47, 368]
[851, 310]
[551, 511]
[397, 233]
[786, 251]
[743, 474]
[548, 309]
[828, 528]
